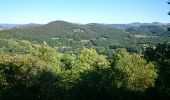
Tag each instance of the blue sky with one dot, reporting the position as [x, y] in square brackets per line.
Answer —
[84, 11]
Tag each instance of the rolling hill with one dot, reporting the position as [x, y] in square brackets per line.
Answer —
[61, 34]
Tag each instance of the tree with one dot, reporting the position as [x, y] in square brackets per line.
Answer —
[89, 59]
[161, 56]
[67, 61]
[26, 77]
[15, 46]
[1, 51]
[49, 55]
[133, 72]
[92, 76]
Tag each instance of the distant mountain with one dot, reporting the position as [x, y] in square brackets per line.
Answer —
[31, 25]
[158, 29]
[68, 24]
[12, 26]
[134, 25]
[1, 27]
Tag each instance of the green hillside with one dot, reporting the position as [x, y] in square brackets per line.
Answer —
[68, 36]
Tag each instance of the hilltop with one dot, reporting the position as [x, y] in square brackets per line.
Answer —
[62, 34]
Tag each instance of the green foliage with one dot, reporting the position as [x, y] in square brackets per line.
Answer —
[25, 77]
[13, 46]
[22, 47]
[43, 73]
[95, 84]
[89, 59]
[67, 61]
[133, 72]
[48, 55]
[1, 51]
[161, 56]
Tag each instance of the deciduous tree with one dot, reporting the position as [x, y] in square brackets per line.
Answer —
[133, 72]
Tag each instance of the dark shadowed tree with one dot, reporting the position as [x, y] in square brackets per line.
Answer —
[161, 56]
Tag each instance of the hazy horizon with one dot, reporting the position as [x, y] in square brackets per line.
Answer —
[82, 23]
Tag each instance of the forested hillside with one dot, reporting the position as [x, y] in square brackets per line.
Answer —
[68, 37]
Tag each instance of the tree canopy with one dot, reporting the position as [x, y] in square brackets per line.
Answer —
[133, 72]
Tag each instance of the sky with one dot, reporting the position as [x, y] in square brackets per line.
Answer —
[84, 11]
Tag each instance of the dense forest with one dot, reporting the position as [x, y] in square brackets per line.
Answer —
[66, 61]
